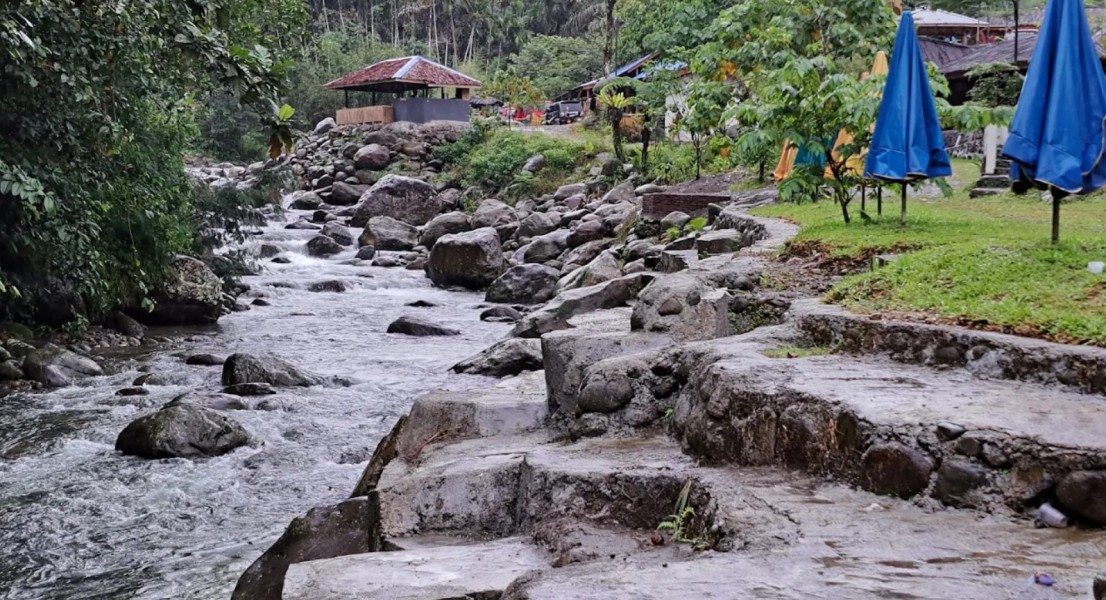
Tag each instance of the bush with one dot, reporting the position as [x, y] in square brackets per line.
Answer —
[493, 160]
[672, 163]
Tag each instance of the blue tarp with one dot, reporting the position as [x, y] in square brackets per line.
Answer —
[907, 144]
[1057, 135]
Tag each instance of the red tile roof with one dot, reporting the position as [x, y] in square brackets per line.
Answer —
[410, 69]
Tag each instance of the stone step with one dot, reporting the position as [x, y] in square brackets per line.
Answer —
[994, 181]
[501, 486]
[892, 428]
[478, 571]
[981, 192]
[841, 543]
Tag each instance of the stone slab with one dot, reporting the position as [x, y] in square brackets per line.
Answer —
[454, 571]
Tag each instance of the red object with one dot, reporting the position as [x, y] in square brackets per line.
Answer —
[410, 69]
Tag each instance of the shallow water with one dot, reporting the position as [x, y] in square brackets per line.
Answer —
[78, 520]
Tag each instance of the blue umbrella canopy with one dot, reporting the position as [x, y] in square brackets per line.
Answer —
[1057, 137]
[908, 144]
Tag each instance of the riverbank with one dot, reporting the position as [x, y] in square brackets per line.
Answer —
[709, 435]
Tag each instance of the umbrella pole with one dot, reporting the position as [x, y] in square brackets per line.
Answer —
[902, 215]
[863, 196]
[1055, 220]
[879, 200]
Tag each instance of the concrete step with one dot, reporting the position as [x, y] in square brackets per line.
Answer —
[477, 571]
[1001, 181]
[892, 428]
[982, 192]
[843, 543]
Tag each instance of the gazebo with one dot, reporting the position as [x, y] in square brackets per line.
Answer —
[409, 82]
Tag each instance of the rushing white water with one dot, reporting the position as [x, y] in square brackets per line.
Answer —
[78, 520]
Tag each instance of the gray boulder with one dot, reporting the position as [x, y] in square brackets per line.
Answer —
[567, 191]
[352, 527]
[386, 233]
[1084, 493]
[675, 219]
[508, 357]
[524, 284]
[496, 214]
[405, 199]
[324, 126]
[586, 231]
[450, 222]
[339, 233]
[534, 164]
[192, 295]
[249, 368]
[605, 267]
[536, 224]
[57, 367]
[473, 259]
[322, 245]
[373, 157]
[419, 328]
[181, 430]
[345, 194]
[305, 201]
[546, 247]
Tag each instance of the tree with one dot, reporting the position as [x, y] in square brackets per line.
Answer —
[96, 109]
[996, 84]
[707, 103]
[557, 64]
[614, 100]
[514, 90]
[798, 63]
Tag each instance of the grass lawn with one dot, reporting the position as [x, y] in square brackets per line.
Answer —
[985, 263]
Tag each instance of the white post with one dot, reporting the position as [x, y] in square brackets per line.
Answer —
[990, 149]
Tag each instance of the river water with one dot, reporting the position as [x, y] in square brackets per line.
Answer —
[80, 521]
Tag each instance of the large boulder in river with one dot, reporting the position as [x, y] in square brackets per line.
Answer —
[472, 259]
[181, 430]
[249, 368]
[346, 194]
[373, 157]
[450, 222]
[417, 327]
[386, 233]
[322, 245]
[405, 199]
[352, 527]
[339, 233]
[524, 284]
[192, 295]
[57, 367]
[497, 214]
[508, 357]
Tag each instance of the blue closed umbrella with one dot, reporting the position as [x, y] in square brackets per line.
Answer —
[908, 144]
[1057, 139]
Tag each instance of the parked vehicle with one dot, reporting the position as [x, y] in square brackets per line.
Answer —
[563, 113]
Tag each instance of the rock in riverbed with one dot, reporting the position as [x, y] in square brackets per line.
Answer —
[193, 295]
[508, 357]
[524, 284]
[472, 259]
[419, 328]
[56, 367]
[181, 430]
[248, 368]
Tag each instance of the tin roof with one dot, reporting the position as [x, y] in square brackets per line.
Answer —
[403, 73]
[925, 17]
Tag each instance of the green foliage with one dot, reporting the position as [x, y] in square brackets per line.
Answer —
[493, 160]
[697, 224]
[557, 64]
[672, 163]
[996, 84]
[668, 27]
[514, 90]
[93, 103]
[679, 522]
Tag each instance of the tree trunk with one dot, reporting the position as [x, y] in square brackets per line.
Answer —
[608, 41]
[646, 134]
[698, 157]
[616, 132]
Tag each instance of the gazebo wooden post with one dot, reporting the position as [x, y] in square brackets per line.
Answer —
[347, 97]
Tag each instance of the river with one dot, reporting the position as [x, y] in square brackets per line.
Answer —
[80, 521]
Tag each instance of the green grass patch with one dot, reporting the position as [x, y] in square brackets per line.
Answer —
[985, 262]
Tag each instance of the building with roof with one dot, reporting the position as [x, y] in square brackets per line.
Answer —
[403, 89]
[957, 28]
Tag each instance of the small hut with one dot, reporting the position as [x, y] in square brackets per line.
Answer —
[404, 89]
[957, 28]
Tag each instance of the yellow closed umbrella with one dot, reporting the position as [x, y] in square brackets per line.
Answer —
[787, 161]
